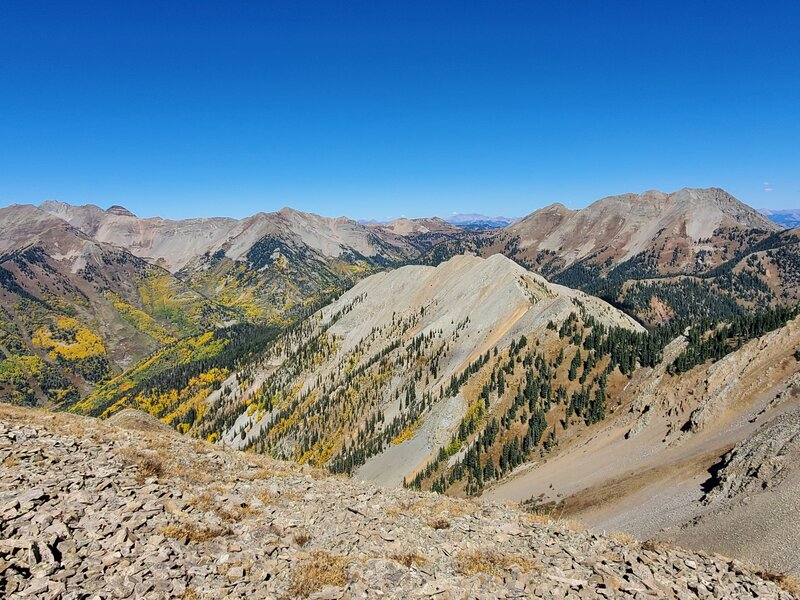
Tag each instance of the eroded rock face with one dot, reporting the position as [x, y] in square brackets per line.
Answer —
[88, 509]
[760, 462]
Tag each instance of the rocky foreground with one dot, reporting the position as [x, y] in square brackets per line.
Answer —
[92, 509]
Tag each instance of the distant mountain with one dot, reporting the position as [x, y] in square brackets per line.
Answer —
[623, 248]
[463, 221]
[476, 221]
[621, 227]
[149, 286]
[74, 311]
[408, 227]
[263, 266]
[788, 218]
[176, 244]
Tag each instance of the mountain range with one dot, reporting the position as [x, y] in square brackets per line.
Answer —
[476, 221]
[134, 285]
[465, 221]
[647, 345]
[789, 218]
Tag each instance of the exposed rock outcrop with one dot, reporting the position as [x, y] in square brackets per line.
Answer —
[760, 462]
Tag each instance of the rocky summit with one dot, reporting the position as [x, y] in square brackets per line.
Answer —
[89, 509]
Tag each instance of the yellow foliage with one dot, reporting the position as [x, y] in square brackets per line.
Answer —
[84, 344]
[452, 447]
[408, 432]
[475, 411]
[29, 364]
[321, 452]
[173, 405]
[352, 362]
[282, 426]
[140, 319]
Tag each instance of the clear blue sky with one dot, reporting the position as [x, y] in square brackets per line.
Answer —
[376, 109]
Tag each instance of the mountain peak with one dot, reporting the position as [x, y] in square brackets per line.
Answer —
[116, 209]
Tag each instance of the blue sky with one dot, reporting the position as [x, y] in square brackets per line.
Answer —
[376, 109]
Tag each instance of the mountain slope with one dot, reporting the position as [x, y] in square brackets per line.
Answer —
[662, 466]
[625, 226]
[89, 508]
[276, 268]
[74, 310]
[374, 381]
[175, 244]
[171, 244]
[263, 267]
[671, 243]
[268, 265]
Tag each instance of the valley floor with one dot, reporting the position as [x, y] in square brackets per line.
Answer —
[133, 510]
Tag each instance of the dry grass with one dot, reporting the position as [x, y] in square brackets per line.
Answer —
[278, 498]
[401, 507]
[237, 513]
[317, 570]
[192, 532]
[10, 463]
[537, 518]
[438, 506]
[439, 523]
[302, 537]
[203, 502]
[474, 562]
[654, 545]
[148, 464]
[547, 510]
[267, 497]
[785, 582]
[546, 516]
[623, 538]
[265, 473]
[193, 473]
[409, 559]
[267, 468]
[151, 466]
[206, 502]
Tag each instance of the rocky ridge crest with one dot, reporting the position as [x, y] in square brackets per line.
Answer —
[89, 508]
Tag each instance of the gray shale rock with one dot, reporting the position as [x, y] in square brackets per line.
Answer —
[88, 510]
[761, 461]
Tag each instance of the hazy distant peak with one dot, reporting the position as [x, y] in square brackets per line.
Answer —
[404, 226]
[478, 221]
